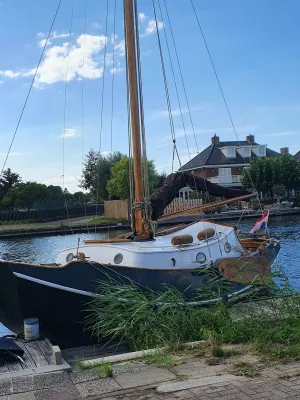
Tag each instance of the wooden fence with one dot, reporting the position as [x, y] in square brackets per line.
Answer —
[119, 208]
[180, 204]
[116, 209]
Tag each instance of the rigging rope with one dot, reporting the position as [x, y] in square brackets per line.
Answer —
[181, 74]
[82, 111]
[101, 112]
[65, 113]
[112, 91]
[175, 83]
[222, 93]
[31, 86]
[166, 87]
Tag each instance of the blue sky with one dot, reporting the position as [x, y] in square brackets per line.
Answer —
[254, 44]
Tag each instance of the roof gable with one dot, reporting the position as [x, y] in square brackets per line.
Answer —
[213, 155]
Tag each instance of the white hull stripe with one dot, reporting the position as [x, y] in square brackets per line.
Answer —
[53, 285]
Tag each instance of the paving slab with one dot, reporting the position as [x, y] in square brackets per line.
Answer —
[5, 387]
[22, 396]
[198, 368]
[94, 388]
[22, 384]
[83, 376]
[130, 367]
[193, 383]
[142, 378]
[59, 393]
[46, 381]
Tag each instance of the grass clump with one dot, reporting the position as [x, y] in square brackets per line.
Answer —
[243, 368]
[103, 369]
[145, 319]
[163, 359]
[217, 351]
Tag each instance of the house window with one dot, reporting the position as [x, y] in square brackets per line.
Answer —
[261, 151]
[245, 152]
[230, 152]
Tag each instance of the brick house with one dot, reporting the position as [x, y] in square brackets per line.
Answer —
[223, 162]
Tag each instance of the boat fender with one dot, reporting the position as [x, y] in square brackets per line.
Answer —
[181, 239]
[206, 234]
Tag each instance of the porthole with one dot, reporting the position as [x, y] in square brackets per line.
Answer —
[201, 258]
[118, 258]
[173, 262]
[69, 257]
[227, 247]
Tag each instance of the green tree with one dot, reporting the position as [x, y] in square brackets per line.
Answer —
[118, 185]
[26, 194]
[54, 192]
[279, 191]
[288, 171]
[8, 180]
[264, 173]
[9, 200]
[96, 173]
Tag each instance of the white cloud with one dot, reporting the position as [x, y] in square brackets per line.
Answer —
[1, 82]
[116, 70]
[53, 36]
[18, 74]
[53, 66]
[70, 181]
[142, 17]
[120, 47]
[151, 27]
[149, 24]
[69, 133]
[285, 133]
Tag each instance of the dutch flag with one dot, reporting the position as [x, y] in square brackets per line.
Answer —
[261, 223]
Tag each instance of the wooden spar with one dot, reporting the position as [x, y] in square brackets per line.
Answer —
[134, 111]
[206, 207]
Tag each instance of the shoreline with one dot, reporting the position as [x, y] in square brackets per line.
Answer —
[66, 230]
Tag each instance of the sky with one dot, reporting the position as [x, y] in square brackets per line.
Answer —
[254, 45]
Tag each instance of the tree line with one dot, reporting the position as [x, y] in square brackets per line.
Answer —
[103, 178]
[272, 176]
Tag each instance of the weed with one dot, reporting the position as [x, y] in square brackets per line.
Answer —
[217, 351]
[163, 359]
[213, 361]
[101, 368]
[79, 364]
[244, 368]
[279, 351]
[144, 318]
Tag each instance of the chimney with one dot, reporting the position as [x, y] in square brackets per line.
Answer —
[284, 151]
[250, 139]
[215, 139]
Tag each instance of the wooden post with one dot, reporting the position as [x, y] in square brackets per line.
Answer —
[134, 111]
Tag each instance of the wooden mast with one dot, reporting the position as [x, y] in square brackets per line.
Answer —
[134, 112]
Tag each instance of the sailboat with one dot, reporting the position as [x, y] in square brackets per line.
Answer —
[182, 257]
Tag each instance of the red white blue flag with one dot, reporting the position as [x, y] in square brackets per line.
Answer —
[261, 223]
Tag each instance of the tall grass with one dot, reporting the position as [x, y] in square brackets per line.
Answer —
[149, 319]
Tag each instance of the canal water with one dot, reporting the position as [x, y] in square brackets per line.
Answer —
[45, 249]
